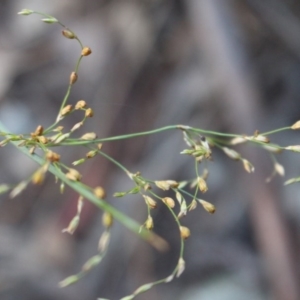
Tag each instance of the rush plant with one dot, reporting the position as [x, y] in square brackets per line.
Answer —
[201, 144]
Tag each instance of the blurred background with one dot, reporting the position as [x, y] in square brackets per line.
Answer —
[230, 66]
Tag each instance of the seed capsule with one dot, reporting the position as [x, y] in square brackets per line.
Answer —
[208, 206]
[99, 192]
[73, 77]
[68, 34]
[184, 232]
[86, 51]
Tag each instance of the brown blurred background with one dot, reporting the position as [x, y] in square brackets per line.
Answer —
[231, 66]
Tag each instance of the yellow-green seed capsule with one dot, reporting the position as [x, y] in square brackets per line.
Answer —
[107, 219]
[99, 192]
[68, 34]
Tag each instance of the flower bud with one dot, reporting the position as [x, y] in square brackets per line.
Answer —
[52, 156]
[89, 136]
[150, 202]
[42, 139]
[231, 153]
[68, 34]
[238, 140]
[279, 169]
[202, 185]
[67, 109]
[18, 189]
[99, 192]
[149, 223]
[73, 175]
[193, 205]
[50, 20]
[103, 241]
[181, 267]
[89, 113]
[208, 206]
[184, 232]
[80, 104]
[248, 166]
[168, 201]
[73, 78]
[69, 280]
[73, 225]
[86, 51]
[107, 219]
[76, 126]
[91, 263]
[91, 154]
[166, 184]
[38, 176]
[39, 130]
[25, 12]
[296, 125]
[295, 148]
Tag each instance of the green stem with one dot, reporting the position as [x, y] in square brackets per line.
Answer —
[276, 130]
